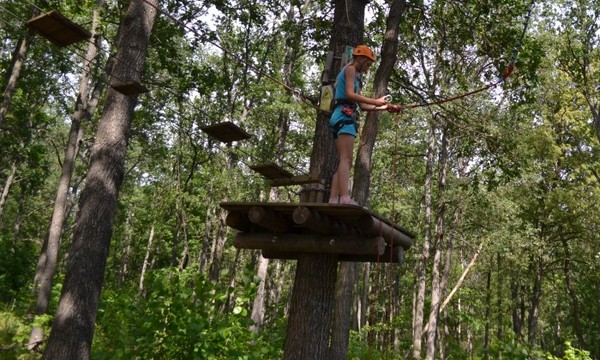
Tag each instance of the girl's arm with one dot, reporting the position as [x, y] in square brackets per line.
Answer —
[365, 103]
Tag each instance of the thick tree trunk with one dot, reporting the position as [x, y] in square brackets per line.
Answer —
[348, 271]
[73, 326]
[309, 320]
[48, 258]
[309, 323]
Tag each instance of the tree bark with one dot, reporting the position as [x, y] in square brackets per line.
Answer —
[362, 179]
[309, 323]
[534, 303]
[18, 61]
[146, 262]
[309, 319]
[572, 294]
[73, 327]
[42, 283]
[6, 188]
[421, 271]
[436, 288]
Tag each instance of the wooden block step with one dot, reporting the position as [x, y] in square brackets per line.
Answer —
[57, 28]
[226, 132]
[129, 88]
[272, 171]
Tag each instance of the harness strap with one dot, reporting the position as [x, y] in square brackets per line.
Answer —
[340, 124]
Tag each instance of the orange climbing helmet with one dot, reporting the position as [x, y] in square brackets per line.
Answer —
[363, 50]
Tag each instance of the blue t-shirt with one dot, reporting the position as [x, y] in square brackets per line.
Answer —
[340, 93]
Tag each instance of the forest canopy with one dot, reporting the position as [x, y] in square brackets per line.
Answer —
[501, 186]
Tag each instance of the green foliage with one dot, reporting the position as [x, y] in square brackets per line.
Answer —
[182, 316]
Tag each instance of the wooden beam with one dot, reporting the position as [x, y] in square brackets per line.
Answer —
[238, 221]
[318, 222]
[269, 219]
[374, 226]
[301, 243]
[295, 180]
[395, 256]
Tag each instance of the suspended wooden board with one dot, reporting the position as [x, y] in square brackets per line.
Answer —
[129, 88]
[226, 132]
[272, 171]
[284, 230]
[58, 29]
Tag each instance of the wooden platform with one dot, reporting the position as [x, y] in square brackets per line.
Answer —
[226, 132]
[57, 28]
[283, 230]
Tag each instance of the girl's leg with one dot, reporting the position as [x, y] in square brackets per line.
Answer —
[345, 147]
[334, 195]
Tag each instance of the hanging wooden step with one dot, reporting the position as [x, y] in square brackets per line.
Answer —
[283, 230]
[58, 29]
[129, 88]
[226, 132]
[278, 176]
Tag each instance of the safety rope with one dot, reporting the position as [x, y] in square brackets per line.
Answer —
[505, 74]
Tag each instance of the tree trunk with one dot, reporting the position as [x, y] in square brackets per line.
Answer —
[436, 288]
[421, 271]
[42, 283]
[127, 251]
[571, 291]
[18, 60]
[145, 264]
[488, 305]
[534, 304]
[309, 323]
[362, 179]
[6, 189]
[220, 234]
[73, 326]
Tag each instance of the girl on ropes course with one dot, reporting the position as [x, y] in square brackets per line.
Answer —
[343, 123]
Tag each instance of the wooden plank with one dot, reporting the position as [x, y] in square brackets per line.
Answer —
[396, 258]
[272, 171]
[374, 226]
[297, 243]
[57, 29]
[226, 132]
[294, 180]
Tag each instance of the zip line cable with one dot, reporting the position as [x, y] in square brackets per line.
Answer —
[507, 72]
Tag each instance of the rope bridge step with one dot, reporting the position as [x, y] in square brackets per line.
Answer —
[226, 132]
[58, 29]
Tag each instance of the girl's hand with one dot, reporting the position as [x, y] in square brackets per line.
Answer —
[381, 101]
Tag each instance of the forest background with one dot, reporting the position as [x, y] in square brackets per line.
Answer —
[501, 187]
